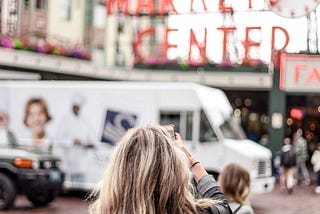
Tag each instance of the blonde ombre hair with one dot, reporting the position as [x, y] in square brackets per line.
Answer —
[147, 174]
[234, 181]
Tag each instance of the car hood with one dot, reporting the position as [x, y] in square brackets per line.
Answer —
[26, 153]
[248, 148]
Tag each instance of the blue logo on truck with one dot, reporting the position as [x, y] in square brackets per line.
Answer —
[116, 124]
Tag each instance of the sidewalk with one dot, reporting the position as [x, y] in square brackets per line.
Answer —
[303, 200]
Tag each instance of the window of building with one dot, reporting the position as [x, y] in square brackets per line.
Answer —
[41, 4]
[65, 10]
[26, 4]
[156, 40]
[99, 19]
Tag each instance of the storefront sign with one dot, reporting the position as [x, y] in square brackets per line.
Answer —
[300, 73]
[200, 44]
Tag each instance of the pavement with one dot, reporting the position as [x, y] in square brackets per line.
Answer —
[303, 200]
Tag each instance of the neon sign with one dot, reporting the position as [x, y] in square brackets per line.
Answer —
[296, 113]
[163, 7]
[300, 72]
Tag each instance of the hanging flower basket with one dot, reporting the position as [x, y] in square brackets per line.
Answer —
[44, 47]
[6, 42]
[183, 66]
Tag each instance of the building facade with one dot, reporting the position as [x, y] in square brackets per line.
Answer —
[138, 41]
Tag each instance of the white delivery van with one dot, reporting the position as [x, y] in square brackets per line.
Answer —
[88, 118]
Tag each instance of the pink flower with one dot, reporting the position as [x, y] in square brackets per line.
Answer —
[6, 42]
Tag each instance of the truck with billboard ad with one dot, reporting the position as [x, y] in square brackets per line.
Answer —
[81, 121]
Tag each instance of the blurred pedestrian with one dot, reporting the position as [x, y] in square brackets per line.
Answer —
[302, 155]
[264, 141]
[315, 160]
[287, 166]
[149, 173]
[235, 184]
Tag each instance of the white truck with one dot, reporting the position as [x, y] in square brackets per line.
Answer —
[88, 118]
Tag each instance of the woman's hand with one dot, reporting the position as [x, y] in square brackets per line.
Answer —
[178, 140]
[197, 170]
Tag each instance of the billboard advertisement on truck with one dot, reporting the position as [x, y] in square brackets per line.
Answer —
[82, 121]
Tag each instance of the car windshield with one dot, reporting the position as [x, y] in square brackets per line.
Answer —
[231, 129]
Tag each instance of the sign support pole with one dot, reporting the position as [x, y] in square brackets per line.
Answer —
[277, 113]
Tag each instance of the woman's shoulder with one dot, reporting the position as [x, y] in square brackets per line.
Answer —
[207, 187]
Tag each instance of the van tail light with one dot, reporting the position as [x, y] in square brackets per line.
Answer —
[23, 163]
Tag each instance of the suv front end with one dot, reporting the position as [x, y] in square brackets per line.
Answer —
[36, 174]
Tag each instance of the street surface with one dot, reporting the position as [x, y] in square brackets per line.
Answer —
[66, 204]
[302, 201]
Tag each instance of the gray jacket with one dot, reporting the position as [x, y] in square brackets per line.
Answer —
[207, 187]
[244, 209]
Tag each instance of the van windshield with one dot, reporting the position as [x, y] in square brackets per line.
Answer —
[207, 133]
[231, 129]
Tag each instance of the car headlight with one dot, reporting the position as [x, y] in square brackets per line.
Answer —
[23, 163]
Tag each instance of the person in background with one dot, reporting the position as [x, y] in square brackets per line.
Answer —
[302, 155]
[315, 160]
[234, 180]
[36, 117]
[287, 166]
[264, 141]
[150, 173]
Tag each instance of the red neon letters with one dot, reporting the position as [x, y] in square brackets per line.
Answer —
[138, 7]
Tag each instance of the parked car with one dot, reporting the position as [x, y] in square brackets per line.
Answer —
[25, 170]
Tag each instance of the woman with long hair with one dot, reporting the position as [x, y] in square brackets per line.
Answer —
[150, 174]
